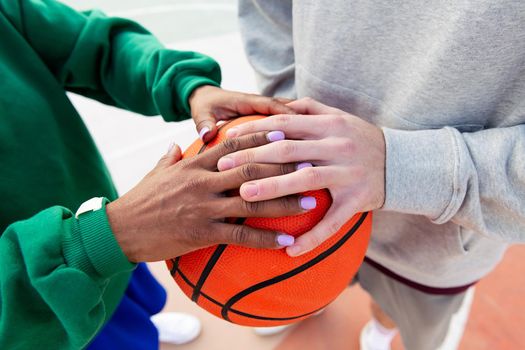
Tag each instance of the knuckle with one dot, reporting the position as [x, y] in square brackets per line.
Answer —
[249, 171]
[313, 178]
[337, 122]
[286, 168]
[231, 145]
[313, 241]
[289, 204]
[252, 207]
[275, 101]
[184, 163]
[257, 139]
[194, 184]
[345, 147]
[286, 149]
[282, 121]
[334, 226]
[308, 99]
[240, 235]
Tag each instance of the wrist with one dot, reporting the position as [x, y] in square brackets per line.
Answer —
[122, 229]
[198, 92]
[92, 247]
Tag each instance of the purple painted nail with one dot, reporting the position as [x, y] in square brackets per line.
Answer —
[273, 136]
[203, 132]
[225, 164]
[308, 203]
[285, 240]
[303, 165]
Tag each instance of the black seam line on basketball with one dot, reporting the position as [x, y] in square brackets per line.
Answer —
[203, 147]
[291, 273]
[241, 313]
[207, 270]
[174, 268]
[210, 265]
[218, 251]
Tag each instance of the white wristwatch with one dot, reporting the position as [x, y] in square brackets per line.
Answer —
[93, 204]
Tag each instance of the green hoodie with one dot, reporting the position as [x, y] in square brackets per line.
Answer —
[61, 277]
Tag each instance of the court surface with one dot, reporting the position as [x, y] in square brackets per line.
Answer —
[131, 145]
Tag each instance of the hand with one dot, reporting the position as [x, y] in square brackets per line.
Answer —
[348, 155]
[180, 206]
[210, 104]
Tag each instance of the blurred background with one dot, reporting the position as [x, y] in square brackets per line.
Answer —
[132, 144]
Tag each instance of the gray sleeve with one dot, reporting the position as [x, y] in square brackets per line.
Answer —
[476, 180]
[267, 33]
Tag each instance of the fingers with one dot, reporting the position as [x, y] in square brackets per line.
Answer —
[286, 151]
[250, 237]
[249, 104]
[307, 179]
[334, 219]
[234, 178]
[173, 155]
[206, 126]
[287, 206]
[308, 105]
[209, 158]
[295, 126]
[284, 100]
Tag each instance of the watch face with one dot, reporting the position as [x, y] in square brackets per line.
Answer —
[90, 205]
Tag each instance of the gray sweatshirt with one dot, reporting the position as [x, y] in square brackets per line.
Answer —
[446, 82]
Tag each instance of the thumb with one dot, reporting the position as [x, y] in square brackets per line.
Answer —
[173, 155]
[206, 126]
[330, 224]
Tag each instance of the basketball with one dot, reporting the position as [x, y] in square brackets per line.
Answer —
[265, 287]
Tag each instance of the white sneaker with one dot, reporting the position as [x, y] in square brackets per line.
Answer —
[176, 327]
[267, 331]
[370, 339]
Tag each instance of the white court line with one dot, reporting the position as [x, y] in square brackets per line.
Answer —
[153, 10]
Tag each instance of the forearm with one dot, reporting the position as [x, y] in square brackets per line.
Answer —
[113, 60]
[60, 279]
[473, 179]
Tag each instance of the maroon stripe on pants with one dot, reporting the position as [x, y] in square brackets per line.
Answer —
[417, 286]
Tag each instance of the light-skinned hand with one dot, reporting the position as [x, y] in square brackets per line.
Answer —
[338, 151]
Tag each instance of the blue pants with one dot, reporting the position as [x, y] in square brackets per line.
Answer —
[130, 327]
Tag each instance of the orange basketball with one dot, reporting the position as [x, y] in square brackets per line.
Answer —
[264, 287]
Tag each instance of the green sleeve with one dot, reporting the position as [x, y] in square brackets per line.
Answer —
[60, 279]
[113, 60]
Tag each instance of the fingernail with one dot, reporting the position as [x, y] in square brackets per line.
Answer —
[273, 136]
[170, 147]
[303, 165]
[203, 132]
[250, 189]
[308, 203]
[285, 240]
[225, 164]
[232, 132]
[294, 250]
